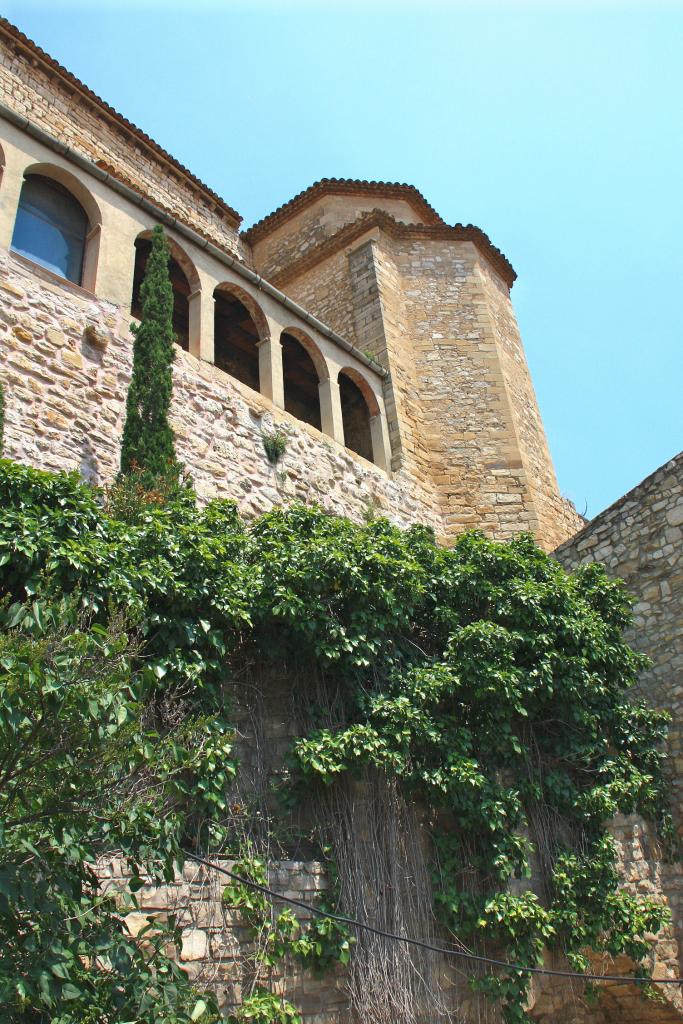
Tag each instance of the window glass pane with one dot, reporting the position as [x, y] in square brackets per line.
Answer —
[51, 227]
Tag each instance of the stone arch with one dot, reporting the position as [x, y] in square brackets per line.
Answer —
[184, 279]
[303, 369]
[358, 406]
[249, 303]
[240, 326]
[81, 259]
[364, 388]
[306, 342]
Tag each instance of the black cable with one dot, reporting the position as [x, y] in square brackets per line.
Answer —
[427, 945]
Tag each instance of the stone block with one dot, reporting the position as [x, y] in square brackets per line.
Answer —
[194, 944]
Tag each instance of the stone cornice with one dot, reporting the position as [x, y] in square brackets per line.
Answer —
[379, 219]
[20, 42]
[344, 187]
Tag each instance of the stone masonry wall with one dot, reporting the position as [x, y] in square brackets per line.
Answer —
[328, 290]
[640, 539]
[462, 414]
[646, 873]
[216, 942]
[66, 359]
[557, 516]
[30, 88]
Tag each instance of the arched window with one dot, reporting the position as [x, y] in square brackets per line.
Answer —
[355, 417]
[181, 291]
[51, 227]
[300, 380]
[236, 335]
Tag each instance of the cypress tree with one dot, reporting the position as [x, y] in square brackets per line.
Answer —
[147, 448]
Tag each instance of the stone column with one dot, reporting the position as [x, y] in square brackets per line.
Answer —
[271, 380]
[379, 435]
[330, 409]
[16, 163]
[91, 258]
[201, 323]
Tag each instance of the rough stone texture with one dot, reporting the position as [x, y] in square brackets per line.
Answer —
[462, 414]
[646, 873]
[215, 938]
[640, 539]
[66, 404]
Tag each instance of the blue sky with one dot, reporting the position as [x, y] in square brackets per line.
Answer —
[557, 128]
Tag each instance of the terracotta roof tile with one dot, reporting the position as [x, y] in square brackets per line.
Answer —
[19, 39]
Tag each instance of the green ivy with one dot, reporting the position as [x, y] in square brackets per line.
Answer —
[489, 682]
[318, 945]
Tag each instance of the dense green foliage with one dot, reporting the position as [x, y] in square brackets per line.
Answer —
[491, 683]
[147, 447]
[2, 417]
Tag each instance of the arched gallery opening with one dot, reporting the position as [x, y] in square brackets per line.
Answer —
[355, 417]
[181, 291]
[236, 338]
[300, 381]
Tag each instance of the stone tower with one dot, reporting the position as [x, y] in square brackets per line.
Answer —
[432, 304]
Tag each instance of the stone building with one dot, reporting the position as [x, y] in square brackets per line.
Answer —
[380, 341]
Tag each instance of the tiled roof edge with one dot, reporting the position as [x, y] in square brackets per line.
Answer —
[17, 38]
[341, 186]
[381, 219]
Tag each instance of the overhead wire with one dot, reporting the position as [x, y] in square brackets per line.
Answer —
[421, 943]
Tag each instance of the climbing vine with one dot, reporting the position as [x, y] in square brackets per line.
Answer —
[486, 683]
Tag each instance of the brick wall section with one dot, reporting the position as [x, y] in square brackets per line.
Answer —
[33, 91]
[640, 539]
[66, 404]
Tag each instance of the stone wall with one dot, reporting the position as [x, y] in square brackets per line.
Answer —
[66, 359]
[647, 873]
[640, 539]
[217, 944]
[461, 410]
